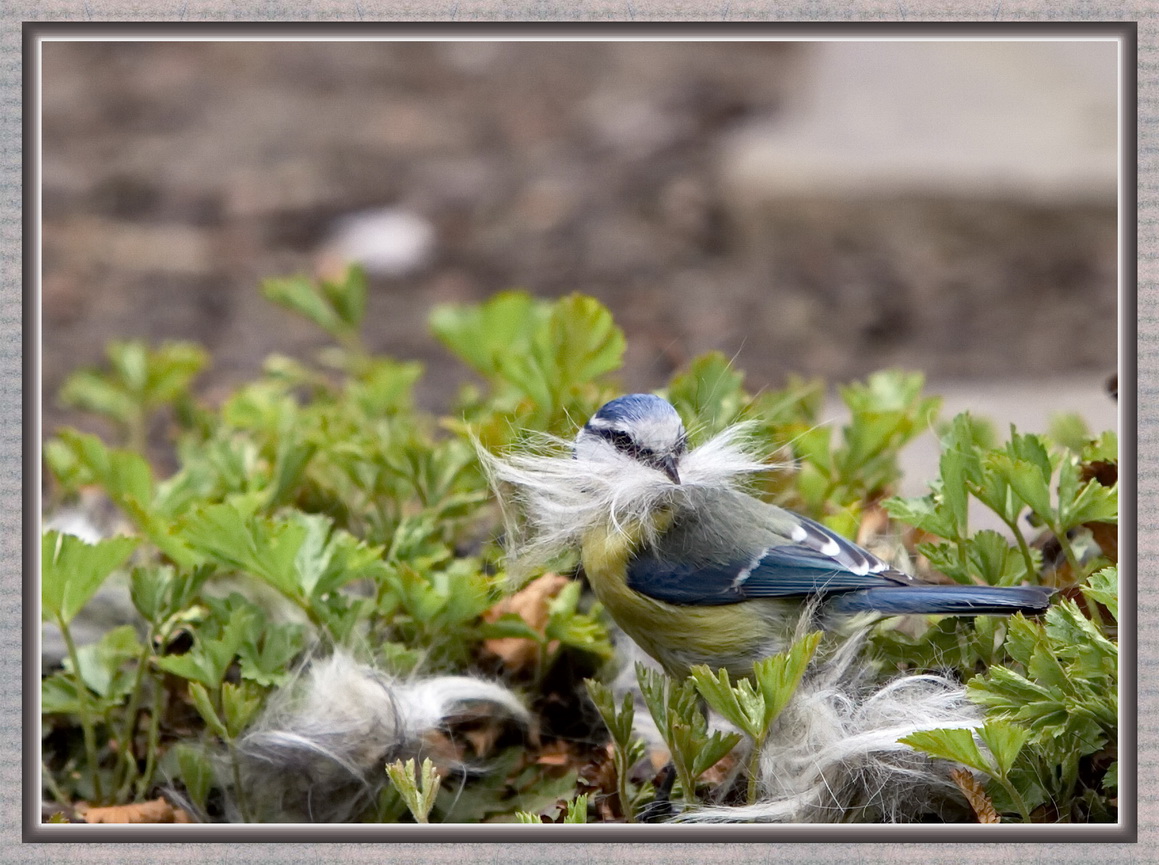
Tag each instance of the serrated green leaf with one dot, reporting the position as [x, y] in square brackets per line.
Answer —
[1005, 741]
[1026, 480]
[718, 691]
[418, 793]
[239, 706]
[299, 294]
[709, 395]
[1103, 587]
[577, 810]
[997, 562]
[196, 773]
[482, 334]
[712, 751]
[779, 676]
[101, 663]
[950, 744]
[1111, 778]
[205, 709]
[72, 571]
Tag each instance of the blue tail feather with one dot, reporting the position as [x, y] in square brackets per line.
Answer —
[945, 600]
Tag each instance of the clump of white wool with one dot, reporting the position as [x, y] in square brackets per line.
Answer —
[833, 755]
[317, 754]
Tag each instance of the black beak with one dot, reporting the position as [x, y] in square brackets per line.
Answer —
[668, 466]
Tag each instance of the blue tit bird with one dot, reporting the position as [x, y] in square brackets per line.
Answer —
[691, 566]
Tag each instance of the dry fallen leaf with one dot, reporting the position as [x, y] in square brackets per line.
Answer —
[975, 794]
[156, 811]
[531, 604]
[874, 521]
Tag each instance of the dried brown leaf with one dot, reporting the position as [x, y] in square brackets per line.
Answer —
[156, 811]
[975, 794]
[531, 604]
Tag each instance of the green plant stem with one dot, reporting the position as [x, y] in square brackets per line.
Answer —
[145, 781]
[86, 711]
[1068, 551]
[235, 768]
[53, 788]
[137, 436]
[1031, 571]
[620, 759]
[687, 783]
[754, 770]
[1012, 791]
[122, 782]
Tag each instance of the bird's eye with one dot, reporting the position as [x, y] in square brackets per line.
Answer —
[620, 440]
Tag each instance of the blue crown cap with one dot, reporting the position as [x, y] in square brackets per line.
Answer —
[634, 406]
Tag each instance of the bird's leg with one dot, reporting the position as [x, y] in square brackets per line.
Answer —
[660, 809]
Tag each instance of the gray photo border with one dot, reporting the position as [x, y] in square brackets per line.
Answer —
[533, 20]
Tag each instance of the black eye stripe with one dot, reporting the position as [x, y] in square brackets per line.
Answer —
[617, 437]
[623, 441]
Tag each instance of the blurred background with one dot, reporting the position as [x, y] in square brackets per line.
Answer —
[814, 208]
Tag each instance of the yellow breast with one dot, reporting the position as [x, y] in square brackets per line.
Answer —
[678, 636]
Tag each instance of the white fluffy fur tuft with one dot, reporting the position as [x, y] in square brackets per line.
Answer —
[550, 499]
[833, 755]
[318, 753]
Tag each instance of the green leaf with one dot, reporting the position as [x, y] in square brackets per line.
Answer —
[778, 676]
[1092, 503]
[709, 753]
[718, 691]
[577, 810]
[1104, 449]
[101, 663]
[1027, 481]
[72, 571]
[1103, 587]
[1111, 778]
[270, 663]
[954, 492]
[348, 296]
[923, 513]
[1005, 741]
[299, 294]
[89, 391]
[418, 793]
[709, 395]
[240, 705]
[1070, 431]
[205, 709]
[481, 334]
[950, 744]
[196, 773]
[584, 339]
[509, 625]
[1023, 638]
[995, 560]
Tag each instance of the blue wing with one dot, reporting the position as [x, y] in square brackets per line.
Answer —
[809, 560]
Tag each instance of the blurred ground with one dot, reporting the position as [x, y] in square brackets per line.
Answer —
[747, 197]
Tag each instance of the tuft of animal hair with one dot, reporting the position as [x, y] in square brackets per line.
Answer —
[833, 755]
[318, 752]
[550, 499]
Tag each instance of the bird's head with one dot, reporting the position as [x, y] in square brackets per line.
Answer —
[639, 427]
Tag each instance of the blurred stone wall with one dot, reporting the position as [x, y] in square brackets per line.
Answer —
[822, 209]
